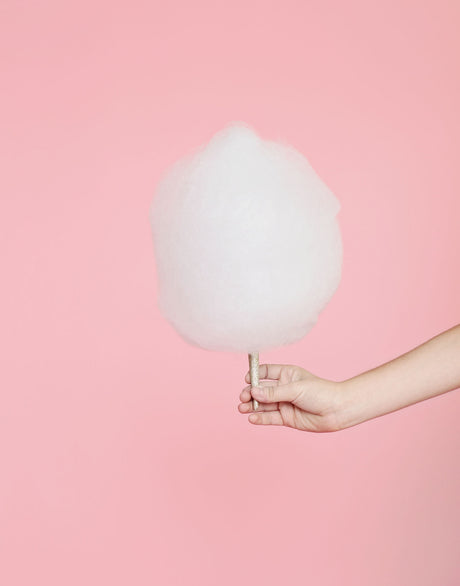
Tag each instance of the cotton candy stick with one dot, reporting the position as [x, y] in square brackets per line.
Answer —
[254, 374]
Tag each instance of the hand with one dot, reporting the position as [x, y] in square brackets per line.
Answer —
[295, 398]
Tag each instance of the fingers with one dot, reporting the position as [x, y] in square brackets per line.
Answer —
[249, 407]
[271, 371]
[266, 418]
[276, 393]
[246, 396]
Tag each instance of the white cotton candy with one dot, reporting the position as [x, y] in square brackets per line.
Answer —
[247, 243]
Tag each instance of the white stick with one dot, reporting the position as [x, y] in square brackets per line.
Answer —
[254, 373]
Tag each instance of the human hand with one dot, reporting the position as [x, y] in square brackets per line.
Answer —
[295, 398]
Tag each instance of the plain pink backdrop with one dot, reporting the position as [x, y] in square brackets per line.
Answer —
[123, 458]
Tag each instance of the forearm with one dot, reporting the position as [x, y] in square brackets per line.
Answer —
[430, 369]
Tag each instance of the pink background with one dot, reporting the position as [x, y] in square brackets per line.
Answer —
[123, 458]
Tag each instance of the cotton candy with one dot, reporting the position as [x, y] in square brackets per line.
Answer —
[247, 243]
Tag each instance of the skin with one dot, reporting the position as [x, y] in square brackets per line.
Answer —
[291, 396]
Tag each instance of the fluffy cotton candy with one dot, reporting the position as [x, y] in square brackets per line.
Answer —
[247, 243]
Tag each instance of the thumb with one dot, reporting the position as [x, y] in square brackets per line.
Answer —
[275, 394]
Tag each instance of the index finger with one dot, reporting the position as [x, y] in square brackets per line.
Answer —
[270, 371]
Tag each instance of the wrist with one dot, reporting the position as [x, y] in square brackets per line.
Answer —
[353, 405]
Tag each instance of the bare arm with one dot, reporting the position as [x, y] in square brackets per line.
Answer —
[428, 370]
